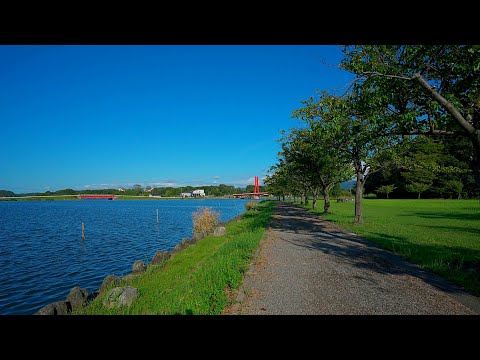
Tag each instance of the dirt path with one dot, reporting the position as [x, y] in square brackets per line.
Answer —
[307, 265]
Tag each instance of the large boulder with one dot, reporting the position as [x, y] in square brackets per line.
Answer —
[138, 267]
[56, 308]
[110, 279]
[120, 296]
[160, 256]
[77, 297]
[219, 231]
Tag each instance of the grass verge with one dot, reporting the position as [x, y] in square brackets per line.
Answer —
[198, 279]
[442, 236]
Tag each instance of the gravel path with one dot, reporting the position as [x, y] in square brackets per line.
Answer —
[307, 265]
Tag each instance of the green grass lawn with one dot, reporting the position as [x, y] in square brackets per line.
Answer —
[440, 235]
[198, 279]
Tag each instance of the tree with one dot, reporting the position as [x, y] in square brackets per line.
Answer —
[420, 163]
[454, 186]
[277, 182]
[429, 89]
[386, 189]
[418, 187]
[324, 165]
[351, 126]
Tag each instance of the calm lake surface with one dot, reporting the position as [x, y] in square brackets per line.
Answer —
[42, 254]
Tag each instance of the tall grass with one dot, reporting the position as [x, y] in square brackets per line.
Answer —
[199, 279]
[442, 236]
[205, 220]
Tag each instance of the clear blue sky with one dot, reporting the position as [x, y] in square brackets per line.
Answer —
[108, 116]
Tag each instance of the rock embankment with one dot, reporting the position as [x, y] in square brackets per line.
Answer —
[119, 295]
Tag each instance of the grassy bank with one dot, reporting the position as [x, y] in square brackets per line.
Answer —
[442, 236]
[198, 279]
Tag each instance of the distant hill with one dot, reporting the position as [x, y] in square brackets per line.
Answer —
[6, 193]
[347, 185]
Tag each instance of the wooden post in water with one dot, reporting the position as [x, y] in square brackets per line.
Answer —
[83, 232]
[157, 216]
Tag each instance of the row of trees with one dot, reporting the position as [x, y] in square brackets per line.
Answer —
[429, 168]
[402, 98]
[212, 190]
[137, 190]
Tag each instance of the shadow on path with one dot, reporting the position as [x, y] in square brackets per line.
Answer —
[316, 234]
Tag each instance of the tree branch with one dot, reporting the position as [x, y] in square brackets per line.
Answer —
[430, 132]
[447, 105]
[367, 73]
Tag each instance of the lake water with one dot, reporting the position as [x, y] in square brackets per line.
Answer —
[43, 256]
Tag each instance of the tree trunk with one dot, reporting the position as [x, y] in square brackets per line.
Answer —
[283, 197]
[306, 199]
[314, 198]
[476, 158]
[387, 193]
[358, 198]
[302, 199]
[418, 195]
[326, 198]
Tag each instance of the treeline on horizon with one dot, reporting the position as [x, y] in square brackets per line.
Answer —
[137, 190]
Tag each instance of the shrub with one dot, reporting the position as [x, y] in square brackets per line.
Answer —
[251, 205]
[205, 220]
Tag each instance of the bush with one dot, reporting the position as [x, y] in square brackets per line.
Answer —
[251, 205]
[205, 220]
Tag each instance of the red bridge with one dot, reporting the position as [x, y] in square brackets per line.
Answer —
[256, 192]
[97, 196]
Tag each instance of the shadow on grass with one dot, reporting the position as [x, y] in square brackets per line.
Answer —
[453, 228]
[364, 254]
[436, 215]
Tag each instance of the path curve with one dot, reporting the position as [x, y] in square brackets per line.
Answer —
[307, 265]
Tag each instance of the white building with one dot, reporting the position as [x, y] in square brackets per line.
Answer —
[198, 193]
[186, 194]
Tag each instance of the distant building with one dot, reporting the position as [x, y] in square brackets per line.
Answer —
[198, 193]
[121, 189]
[186, 194]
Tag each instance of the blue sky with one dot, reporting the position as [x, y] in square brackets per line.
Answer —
[108, 116]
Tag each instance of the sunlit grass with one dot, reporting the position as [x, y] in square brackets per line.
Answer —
[197, 280]
[440, 235]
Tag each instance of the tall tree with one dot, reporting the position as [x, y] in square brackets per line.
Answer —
[326, 166]
[430, 89]
[352, 127]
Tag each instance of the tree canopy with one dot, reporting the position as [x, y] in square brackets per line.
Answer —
[393, 124]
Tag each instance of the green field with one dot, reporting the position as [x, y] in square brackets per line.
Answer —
[440, 235]
[198, 279]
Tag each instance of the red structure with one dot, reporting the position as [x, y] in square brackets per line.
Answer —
[95, 196]
[256, 191]
[256, 188]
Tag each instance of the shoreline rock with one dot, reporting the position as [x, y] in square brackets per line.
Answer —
[138, 267]
[120, 297]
